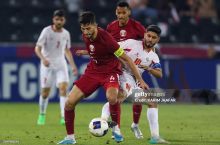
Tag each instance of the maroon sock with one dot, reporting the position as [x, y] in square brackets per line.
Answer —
[137, 108]
[69, 121]
[115, 111]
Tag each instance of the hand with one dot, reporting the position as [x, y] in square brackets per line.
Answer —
[143, 67]
[46, 62]
[142, 84]
[75, 71]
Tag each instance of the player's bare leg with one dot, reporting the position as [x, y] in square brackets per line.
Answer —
[73, 98]
[152, 115]
[43, 102]
[114, 107]
[62, 91]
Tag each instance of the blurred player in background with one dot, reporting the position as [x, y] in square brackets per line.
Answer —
[52, 46]
[122, 29]
[103, 70]
[143, 55]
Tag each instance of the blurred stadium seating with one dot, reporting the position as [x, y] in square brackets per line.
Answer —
[23, 20]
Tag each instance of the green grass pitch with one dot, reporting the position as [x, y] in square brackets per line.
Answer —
[179, 124]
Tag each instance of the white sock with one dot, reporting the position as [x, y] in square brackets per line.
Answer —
[134, 125]
[152, 115]
[62, 105]
[116, 129]
[43, 104]
[70, 136]
[105, 112]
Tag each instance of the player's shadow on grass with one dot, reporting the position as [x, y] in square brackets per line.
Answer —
[201, 142]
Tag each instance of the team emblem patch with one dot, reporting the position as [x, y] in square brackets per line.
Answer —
[123, 33]
[92, 48]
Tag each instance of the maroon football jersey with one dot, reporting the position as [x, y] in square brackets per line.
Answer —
[132, 30]
[101, 51]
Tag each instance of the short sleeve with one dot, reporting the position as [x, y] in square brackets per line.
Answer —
[108, 29]
[42, 38]
[111, 43]
[156, 62]
[140, 30]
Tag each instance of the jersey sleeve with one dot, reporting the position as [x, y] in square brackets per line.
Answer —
[108, 28]
[140, 30]
[111, 43]
[68, 42]
[155, 62]
[42, 38]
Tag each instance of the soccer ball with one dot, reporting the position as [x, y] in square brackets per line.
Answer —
[98, 127]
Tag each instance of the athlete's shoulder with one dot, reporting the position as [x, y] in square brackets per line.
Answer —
[154, 55]
[135, 22]
[131, 43]
[66, 32]
[47, 28]
[103, 33]
[113, 23]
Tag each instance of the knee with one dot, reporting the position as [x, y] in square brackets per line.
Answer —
[62, 90]
[69, 105]
[45, 94]
[152, 105]
[112, 98]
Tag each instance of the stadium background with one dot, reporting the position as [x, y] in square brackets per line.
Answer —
[189, 47]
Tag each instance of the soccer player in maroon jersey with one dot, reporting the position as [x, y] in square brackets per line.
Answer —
[103, 70]
[125, 27]
[122, 29]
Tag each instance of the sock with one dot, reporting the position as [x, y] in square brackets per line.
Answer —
[62, 105]
[69, 121]
[116, 129]
[105, 111]
[70, 136]
[115, 111]
[43, 104]
[137, 108]
[152, 115]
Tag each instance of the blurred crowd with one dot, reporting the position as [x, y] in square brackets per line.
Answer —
[182, 21]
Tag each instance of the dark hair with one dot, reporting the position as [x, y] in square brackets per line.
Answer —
[59, 13]
[154, 28]
[87, 17]
[123, 3]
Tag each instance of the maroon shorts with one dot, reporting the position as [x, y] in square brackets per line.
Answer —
[89, 83]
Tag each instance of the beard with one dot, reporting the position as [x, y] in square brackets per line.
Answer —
[89, 35]
[149, 44]
[59, 26]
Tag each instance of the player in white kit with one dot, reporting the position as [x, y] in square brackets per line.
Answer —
[143, 55]
[52, 46]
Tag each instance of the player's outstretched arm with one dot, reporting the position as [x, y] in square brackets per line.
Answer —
[69, 57]
[40, 55]
[81, 52]
[156, 72]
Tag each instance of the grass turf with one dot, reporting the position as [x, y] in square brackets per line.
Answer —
[179, 124]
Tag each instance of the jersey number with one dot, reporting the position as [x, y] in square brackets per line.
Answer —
[137, 61]
[58, 44]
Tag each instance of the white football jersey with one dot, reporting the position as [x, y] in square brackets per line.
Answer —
[54, 44]
[135, 50]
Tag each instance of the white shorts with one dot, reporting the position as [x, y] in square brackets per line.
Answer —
[49, 75]
[127, 83]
